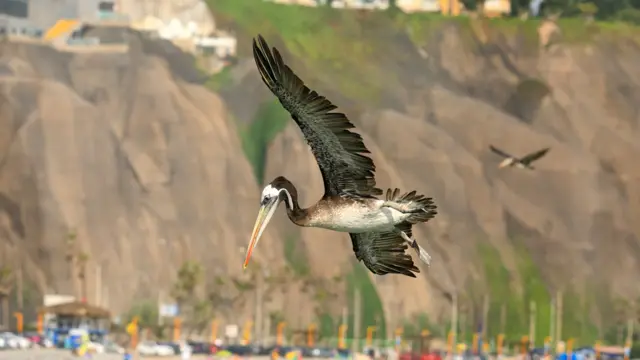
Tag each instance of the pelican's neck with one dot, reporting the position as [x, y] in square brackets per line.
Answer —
[294, 211]
[290, 199]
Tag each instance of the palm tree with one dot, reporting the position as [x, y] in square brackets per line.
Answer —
[621, 314]
[184, 291]
[81, 263]
[189, 278]
[6, 285]
[71, 256]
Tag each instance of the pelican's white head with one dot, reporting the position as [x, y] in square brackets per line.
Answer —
[271, 196]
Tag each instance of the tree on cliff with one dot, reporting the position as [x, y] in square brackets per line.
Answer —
[77, 262]
[195, 310]
[189, 277]
[81, 263]
[6, 285]
[71, 243]
[606, 9]
[475, 5]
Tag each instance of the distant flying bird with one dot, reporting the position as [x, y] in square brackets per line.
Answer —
[380, 229]
[523, 163]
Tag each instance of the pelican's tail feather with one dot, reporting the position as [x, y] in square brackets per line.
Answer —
[421, 208]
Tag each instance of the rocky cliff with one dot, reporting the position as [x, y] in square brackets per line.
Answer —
[142, 164]
[133, 154]
[429, 95]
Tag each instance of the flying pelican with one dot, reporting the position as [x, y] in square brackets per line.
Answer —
[380, 229]
[522, 163]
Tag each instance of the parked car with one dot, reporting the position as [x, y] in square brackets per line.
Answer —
[240, 350]
[112, 348]
[200, 347]
[95, 347]
[14, 341]
[151, 348]
[175, 347]
[323, 352]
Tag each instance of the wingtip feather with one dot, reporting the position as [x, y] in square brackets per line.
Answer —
[313, 113]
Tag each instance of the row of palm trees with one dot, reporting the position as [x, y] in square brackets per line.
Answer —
[228, 296]
[77, 264]
[6, 287]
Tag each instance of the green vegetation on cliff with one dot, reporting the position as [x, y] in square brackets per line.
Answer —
[372, 312]
[270, 119]
[575, 322]
[318, 39]
[321, 36]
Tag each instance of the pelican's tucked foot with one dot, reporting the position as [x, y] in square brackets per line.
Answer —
[404, 208]
[422, 253]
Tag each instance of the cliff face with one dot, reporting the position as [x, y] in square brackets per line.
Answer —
[429, 98]
[145, 167]
[144, 164]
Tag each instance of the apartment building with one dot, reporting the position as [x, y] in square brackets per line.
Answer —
[36, 17]
[14, 18]
[184, 11]
[45, 13]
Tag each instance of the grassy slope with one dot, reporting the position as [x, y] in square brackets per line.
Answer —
[319, 38]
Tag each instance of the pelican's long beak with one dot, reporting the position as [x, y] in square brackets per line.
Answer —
[264, 215]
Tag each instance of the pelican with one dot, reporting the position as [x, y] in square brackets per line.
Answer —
[380, 229]
[522, 163]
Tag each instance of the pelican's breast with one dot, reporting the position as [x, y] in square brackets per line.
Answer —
[353, 215]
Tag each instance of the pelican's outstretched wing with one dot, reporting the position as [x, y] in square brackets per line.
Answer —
[529, 158]
[338, 151]
[384, 252]
[500, 152]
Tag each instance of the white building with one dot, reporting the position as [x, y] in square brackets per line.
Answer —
[222, 46]
[38, 17]
[183, 11]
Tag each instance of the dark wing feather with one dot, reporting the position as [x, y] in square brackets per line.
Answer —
[534, 156]
[337, 150]
[500, 152]
[384, 253]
